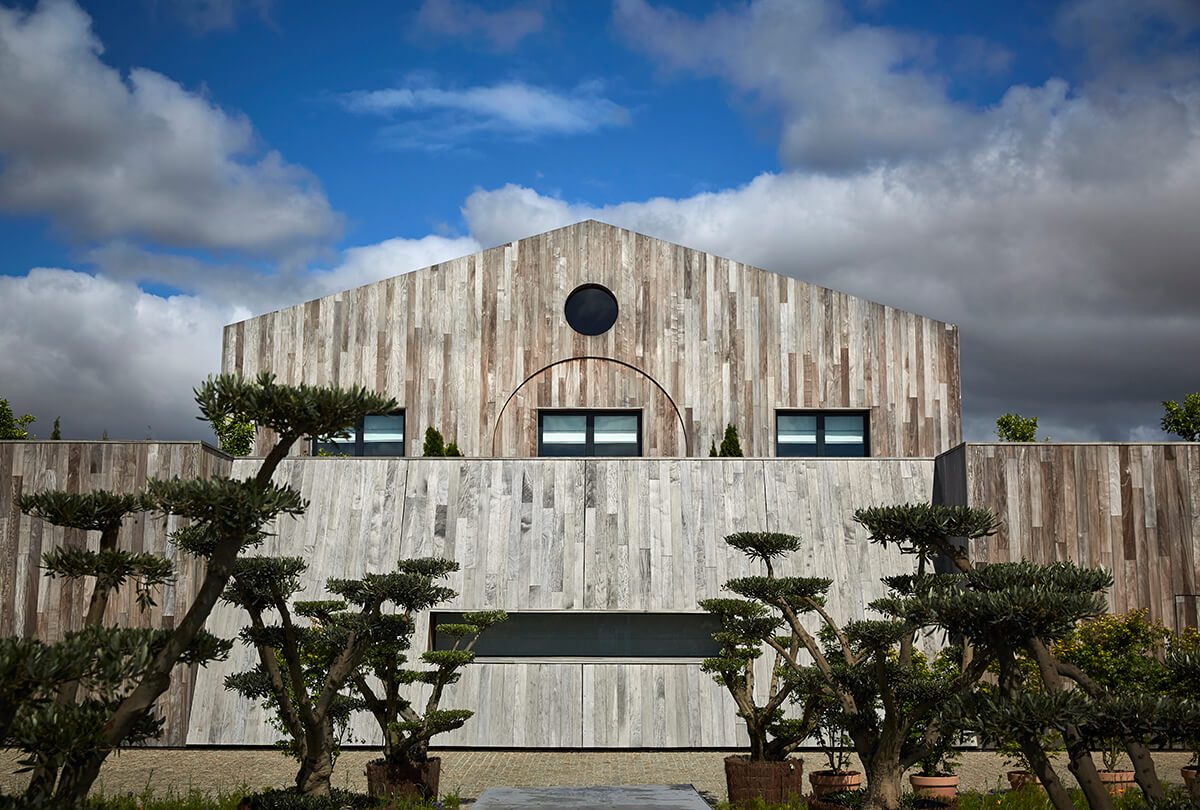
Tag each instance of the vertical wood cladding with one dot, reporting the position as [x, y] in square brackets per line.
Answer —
[1133, 509]
[725, 342]
[572, 534]
[32, 604]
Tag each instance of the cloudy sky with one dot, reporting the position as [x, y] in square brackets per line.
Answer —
[1029, 171]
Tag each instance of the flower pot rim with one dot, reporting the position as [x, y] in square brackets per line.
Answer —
[827, 772]
[746, 758]
[924, 775]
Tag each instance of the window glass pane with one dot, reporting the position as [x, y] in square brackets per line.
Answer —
[564, 429]
[602, 635]
[620, 428]
[388, 428]
[844, 429]
[797, 429]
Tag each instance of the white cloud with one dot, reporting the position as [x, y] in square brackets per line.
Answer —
[137, 156]
[435, 117]
[502, 29]
[849, 94]
[206, 16]
[1063, 244]
[106, 356]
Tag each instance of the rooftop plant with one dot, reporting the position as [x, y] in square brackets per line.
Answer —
[1183, 418]
[1012, 427]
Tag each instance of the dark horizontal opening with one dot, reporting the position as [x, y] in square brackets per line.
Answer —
[592, 635]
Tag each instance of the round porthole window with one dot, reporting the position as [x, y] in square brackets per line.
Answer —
[591, 309]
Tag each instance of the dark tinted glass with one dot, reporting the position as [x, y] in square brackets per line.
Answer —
[601, 635]
[591, 309]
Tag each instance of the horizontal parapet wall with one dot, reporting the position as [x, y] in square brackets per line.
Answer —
[1133, 509]
[570, 535]
[32, 604]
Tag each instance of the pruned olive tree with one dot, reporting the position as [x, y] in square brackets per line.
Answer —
[1010, 609]
[128, 669]
[313, 651]
[865, 668]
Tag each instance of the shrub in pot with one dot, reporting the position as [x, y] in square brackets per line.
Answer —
[837, 778]
[935, 777]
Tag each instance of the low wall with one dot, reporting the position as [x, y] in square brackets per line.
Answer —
[1133, 509]
[32, 604]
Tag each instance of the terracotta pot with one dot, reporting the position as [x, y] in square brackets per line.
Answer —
[826, 782]
[1190, 774]
[772, 781]
[386, 779]
[1117, 782]
[935, 787]
[1020, 779]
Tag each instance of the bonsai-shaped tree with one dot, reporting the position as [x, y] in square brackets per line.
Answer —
[1009, 609]
[1012, 427]
[867, 667]
[745, 625]
[406, 727]
[342, 639]
[130, 669]
[1183, 418]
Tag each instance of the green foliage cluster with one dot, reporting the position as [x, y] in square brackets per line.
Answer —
[235, 436]
[731, 445]
[1012, 427]
[435, 445]
[1183, 418]
[12, 426]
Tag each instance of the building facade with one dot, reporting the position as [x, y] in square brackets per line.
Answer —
[584, 373]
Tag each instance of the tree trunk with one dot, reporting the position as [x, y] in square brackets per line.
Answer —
[1081, 764]
[883, 783]
[1144, 772]
[77, 779]
[41, 785]
[316, 768]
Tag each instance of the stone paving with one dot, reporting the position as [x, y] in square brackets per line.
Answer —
[471, 772]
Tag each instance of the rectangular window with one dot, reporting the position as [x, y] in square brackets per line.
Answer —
[589, 433]
[374, 435]
[592, 635]
[822, 433]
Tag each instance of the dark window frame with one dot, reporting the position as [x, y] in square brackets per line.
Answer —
[589, 445]
[359, 432]
[454, 616]
[865, 413]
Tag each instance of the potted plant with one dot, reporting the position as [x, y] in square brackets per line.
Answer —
[406, 769]
[831, 736]
[935, 778]
[1182, 662]
[768, 772]
[1117, 781]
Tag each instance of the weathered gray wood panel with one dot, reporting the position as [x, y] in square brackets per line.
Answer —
[1133, 509]
[726, 342]
[35, 605]
[563, 534]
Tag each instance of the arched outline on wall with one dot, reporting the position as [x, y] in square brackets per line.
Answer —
[687, 449]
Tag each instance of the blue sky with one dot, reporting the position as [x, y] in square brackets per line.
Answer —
[1028, 170]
